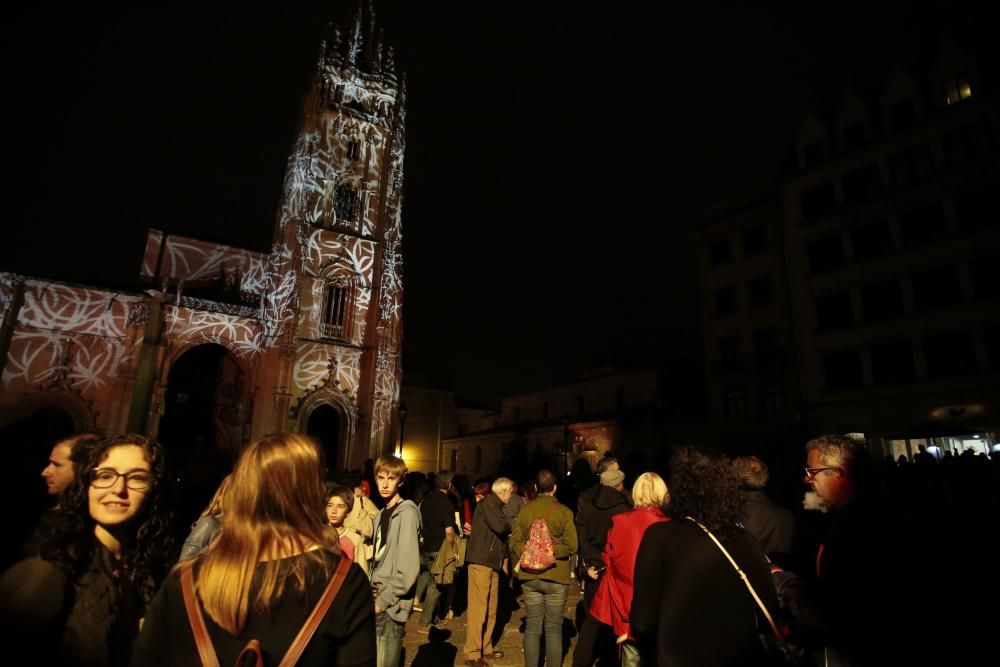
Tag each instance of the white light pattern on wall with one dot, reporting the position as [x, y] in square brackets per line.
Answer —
[312, 366]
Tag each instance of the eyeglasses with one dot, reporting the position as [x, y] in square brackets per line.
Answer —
[812, 472]
[105, 478]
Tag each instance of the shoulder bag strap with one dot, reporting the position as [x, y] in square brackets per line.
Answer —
[318, 612]
[743, 576]
[205, 649]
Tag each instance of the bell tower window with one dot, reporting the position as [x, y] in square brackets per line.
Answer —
[338, 303]
[353, 149]
[345, 202]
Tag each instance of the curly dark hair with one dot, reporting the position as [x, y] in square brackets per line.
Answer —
[66, 536]
[704, 487]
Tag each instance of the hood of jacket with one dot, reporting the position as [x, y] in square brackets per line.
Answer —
[608, 498]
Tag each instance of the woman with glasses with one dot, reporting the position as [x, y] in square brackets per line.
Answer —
[96, 561]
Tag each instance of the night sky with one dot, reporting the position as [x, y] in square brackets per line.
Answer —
[557, 156]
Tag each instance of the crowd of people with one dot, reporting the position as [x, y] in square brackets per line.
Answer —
[293, 563]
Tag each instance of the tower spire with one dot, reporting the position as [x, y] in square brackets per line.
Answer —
[355, 40]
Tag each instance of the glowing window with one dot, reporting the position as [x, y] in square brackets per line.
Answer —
[957, 90]
[345, 202]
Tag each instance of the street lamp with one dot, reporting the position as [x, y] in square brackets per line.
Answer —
[402, 425]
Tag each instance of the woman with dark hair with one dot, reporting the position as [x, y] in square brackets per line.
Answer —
[95, 562]
[692, 607]
[260, 579]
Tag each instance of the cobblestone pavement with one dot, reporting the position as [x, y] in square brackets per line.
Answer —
[444, 644]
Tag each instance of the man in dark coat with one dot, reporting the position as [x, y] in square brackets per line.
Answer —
[773, 526]
[593, 523]
[485, 554]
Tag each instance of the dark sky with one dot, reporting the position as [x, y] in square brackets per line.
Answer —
[556, 154]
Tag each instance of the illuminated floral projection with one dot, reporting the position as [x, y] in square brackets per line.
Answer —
[347, 160]
[314, 361]
[239, 335]
[72, 338]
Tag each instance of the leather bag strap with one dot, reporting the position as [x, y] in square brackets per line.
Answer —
[743, 576]
[319, 611]
[205, 649]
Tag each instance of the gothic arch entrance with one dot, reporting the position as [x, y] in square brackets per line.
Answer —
[325, 427]
[200, 427]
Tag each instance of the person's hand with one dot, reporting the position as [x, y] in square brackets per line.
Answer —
[467, 528]
[592, 573]
[377, 610]
[622, 639]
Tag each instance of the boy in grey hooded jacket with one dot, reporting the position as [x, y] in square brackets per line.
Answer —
[396, 564]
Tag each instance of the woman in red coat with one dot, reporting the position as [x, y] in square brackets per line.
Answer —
[614, 596]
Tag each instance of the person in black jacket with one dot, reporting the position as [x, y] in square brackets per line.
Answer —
[593, 521]
[437, 524]
[772, 525]
[485, 555]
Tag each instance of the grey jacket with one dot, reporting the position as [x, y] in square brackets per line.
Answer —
[396, 564]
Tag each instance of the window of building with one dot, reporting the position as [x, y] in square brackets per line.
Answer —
[754, 240]
[353, 149]
[843, 369]
[978, 208]
[760, 291]
[862, 185]
[338, 304]
[729, 353]
[765, 347]
[834, 310]
[882, 300]
[517, 414]
[826, 254]
[912, 166]
[892, 362]
[734, 404]
[871, 240]
[454, 460]
[345, 202]
[479, 458]
[903, 114]
[854, 136]
[545, 410]
[818, 201]
[725, 300]
[935, 288]
[813, 153]
[721, 253]
[772, 399]
[462, 429]
[949, 354]
[985, 273]
[970, 143]
[957, 90]
[923, 225]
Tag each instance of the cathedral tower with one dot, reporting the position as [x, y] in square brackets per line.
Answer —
[333, 300]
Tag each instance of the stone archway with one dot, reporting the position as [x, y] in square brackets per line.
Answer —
[201, 425]
[324, 426]
[320, 401]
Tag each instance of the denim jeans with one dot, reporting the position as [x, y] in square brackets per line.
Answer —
[388, 640]
[544, 600]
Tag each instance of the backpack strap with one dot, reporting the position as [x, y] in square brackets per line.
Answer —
[205, 649]
[318, 612]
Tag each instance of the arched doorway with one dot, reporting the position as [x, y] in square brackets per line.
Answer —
[325, 426]
[199, 427]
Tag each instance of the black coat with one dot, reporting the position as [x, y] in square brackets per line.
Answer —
[593, 520]
[490, 527]
[773, 526]
[690, 607]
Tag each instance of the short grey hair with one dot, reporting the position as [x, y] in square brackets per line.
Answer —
[835, 450]
[502, 484]
[752, 472]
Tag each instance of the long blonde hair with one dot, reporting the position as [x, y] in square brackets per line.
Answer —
[274, 507]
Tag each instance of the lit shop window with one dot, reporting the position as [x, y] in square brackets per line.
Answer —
[957, 90]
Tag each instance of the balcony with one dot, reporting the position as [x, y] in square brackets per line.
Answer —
[328, 330]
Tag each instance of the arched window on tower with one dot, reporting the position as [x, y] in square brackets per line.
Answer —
[338, 305]
[345, 203]
[353, 149]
